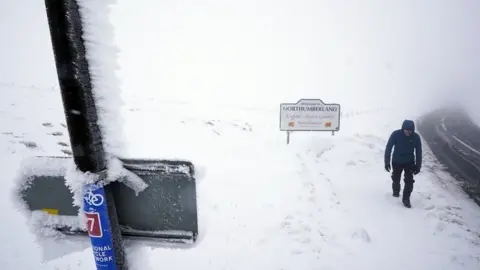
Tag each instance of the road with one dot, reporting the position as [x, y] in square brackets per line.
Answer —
[455, 141]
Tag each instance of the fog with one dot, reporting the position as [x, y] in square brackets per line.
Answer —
[411, 54]
[26, 57]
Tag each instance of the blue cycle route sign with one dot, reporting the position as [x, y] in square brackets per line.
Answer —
[98, 226]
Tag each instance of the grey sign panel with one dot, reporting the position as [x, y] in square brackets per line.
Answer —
[50, 192]
[165, 210]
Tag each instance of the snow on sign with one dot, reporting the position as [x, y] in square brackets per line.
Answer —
[309, 115]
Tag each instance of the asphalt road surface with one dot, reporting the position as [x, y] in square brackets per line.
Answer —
[455, 140]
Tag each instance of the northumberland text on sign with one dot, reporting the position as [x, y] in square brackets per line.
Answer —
[309, 115]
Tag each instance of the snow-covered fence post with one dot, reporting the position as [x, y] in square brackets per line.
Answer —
[81, 116]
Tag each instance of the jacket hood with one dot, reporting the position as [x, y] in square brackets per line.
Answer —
[408, 124]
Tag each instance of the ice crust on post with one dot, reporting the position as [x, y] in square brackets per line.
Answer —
[101, 54]
[76, 180]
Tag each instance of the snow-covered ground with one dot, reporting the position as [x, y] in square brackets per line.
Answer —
[203, 82]
[322, 202]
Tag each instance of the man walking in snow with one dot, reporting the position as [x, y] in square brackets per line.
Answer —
[407, 158]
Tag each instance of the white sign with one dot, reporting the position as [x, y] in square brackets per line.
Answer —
[309, 115]
[103, 254]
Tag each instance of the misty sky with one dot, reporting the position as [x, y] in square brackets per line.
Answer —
[264, 52]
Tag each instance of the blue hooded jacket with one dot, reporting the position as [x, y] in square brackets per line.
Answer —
[404, 146]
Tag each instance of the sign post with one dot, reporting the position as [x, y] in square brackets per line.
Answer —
[66, 32]
[309, 115]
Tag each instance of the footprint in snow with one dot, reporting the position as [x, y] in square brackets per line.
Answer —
[211, 124]
[351, 163]
[56, 133]
[287, 222]
[304, 240]
[429, 207]
[47, 124]
[297, 252]
[68, 152]
[29, 144]
[363, 235]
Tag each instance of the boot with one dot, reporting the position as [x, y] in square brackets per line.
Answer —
[406, 202]
[407, 191]
[396, 189]
[396, 173]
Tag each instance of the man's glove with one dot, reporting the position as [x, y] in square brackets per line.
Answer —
[387, 167]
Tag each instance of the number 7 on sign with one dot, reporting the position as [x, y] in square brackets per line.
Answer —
[94, 225]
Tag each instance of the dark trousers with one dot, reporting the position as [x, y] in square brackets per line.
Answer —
[397, 170]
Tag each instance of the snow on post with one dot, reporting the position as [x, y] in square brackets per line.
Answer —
[76, 180]
[101, 54]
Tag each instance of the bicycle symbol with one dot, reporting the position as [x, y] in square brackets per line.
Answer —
[93, 199]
